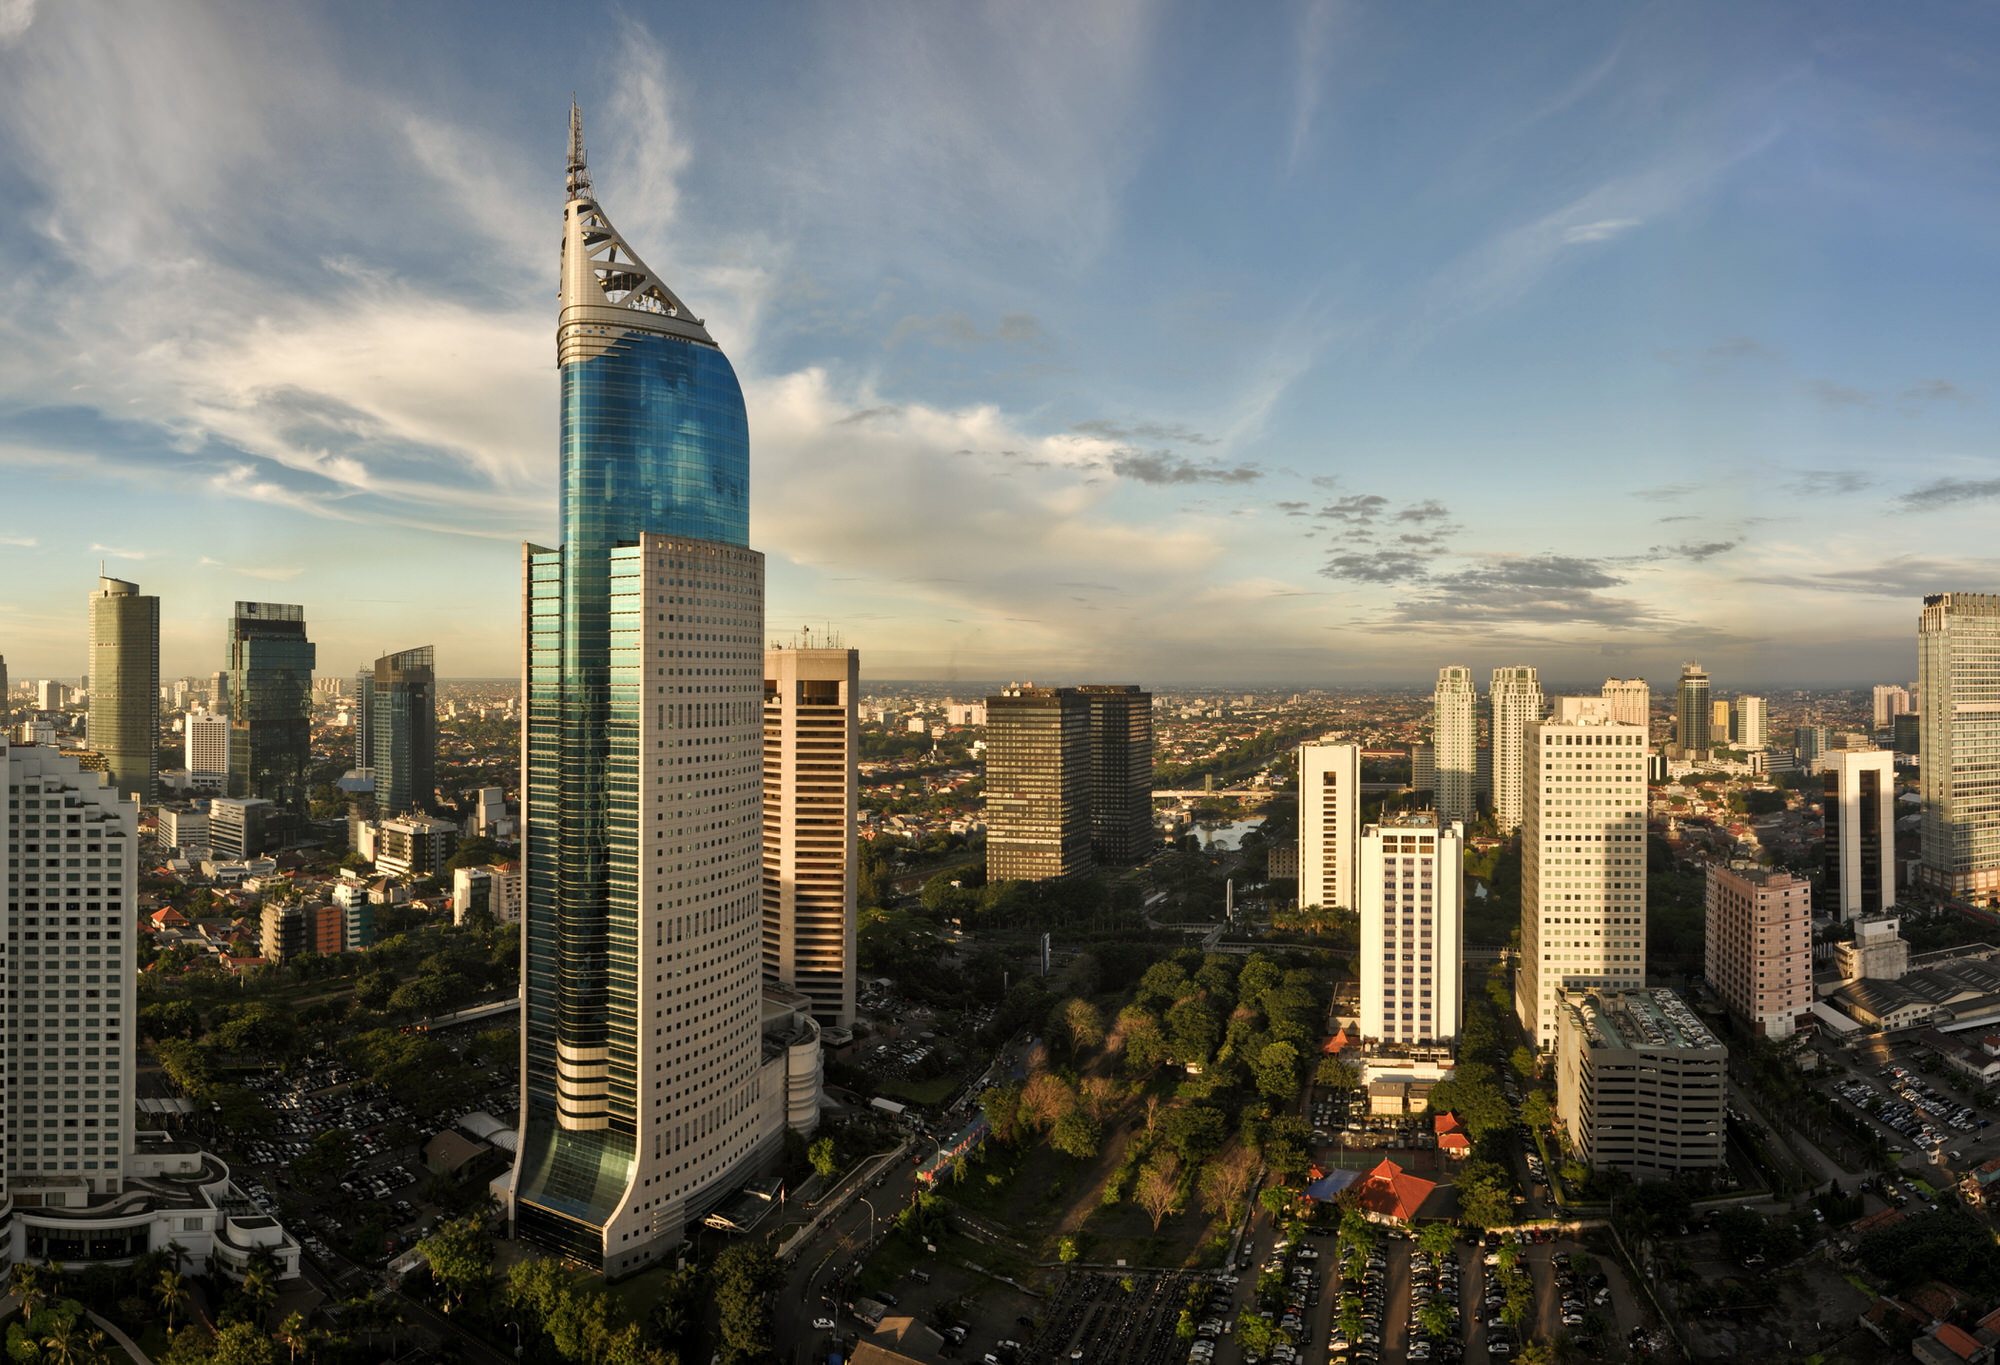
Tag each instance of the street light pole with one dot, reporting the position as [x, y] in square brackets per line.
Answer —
[871, 1215]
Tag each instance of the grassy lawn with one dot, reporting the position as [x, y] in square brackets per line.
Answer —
[642, 1291]
[920, 1092]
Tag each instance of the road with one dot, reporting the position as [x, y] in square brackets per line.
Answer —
[813, 1286]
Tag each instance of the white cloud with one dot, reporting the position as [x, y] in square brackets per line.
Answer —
[1603, 230]
[15, 16]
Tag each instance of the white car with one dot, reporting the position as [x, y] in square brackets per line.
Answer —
[823, 1324]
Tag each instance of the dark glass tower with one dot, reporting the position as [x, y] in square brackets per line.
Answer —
[124, 717]
[642, 776]
[270, 702]
[400, 710]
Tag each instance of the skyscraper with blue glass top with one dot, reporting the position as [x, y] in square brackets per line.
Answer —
[648, 1089]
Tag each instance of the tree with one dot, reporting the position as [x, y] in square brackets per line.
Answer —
[1159, 1192]
[1046, 1099]
[170, 1293]
[823, 1158]
[292, 1331]
[1436, 1318]
[1523, 1062]
[1536, 1111]
[1277, 1072]
[1079, 1024]
[1275, 1199]
[460, 1256]
[1193, 1030]
[1336, 1074]
[1436, 1240]
[1067, 1250]
[1076, 1134]
[64, 1344]
[1226, 1180]
[242, 1344]
[1485, 1194]
[744, 1273]
[30, 1287]
[1196, 1132]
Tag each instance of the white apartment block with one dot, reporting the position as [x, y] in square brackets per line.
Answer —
[1758, 947]
[1752, 730]
[72, 854]
[207, 748]
[1583, 860]
[1516, 697]
[1412, 914]
[812, 740]
[1329, 825]
[1861, 830]
[495, 889]
[1631, 700]
[1455, 737]
[1890, 702]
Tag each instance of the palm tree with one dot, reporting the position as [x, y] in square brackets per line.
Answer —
[293, 1332]
[97, 1349]
[171, 1293]
[63, 1345]
[260, 1286]
[29, 1287]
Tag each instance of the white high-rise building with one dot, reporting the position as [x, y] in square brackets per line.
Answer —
[1631, 700]
[207, 748]
[72, 923]
[1890, 702]
[1583, 860]
[1516, 696]
[1329, 825]
[1861, 831]
[1412, 929]
[1958, 683]
[812, 739]
[1751, 727]
[1455, 737]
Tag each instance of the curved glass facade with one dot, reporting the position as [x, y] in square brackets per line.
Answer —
[654, 438]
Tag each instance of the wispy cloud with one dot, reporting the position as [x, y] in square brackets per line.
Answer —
[1603, 230]
[15, 16]
[1163, 467]
[1838, 395]
[955, 331]
[116, 553]
[1815, 482]
[1941, 493]
[22, 542]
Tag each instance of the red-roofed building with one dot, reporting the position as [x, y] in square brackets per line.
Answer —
[1391, 1194]
[169, 918]
[240, 965]
[1962, 1345]
[1881, 1218]
[1332, 1046]
[1451, 1138]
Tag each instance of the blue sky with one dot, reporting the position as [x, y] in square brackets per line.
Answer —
[1310, 343]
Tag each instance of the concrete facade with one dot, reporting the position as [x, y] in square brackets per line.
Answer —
[1641, 1084]
[1759, 947]
[1412, 929]
[1455, 738]
[1860, 832]
[1330, 825]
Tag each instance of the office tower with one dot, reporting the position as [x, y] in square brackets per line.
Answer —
[1412, 928]
[1758, 947]
[1860, 832]
[206, 745]
[1718, 723]
[1121, 773]
[1516, 695]
[51, 695]
[1750, 732]
[270, 708]
[182, 687]
[6, 691]
[812, 740]
[1640, 1082]
[364, 720]
[58, 813]
[1631, 701]
[238, 825]
[1692, 715]
[402, 728]
[1810, 743]
[218, 691]
[1330, 825]
[124, 719]
[1455, 736]
[1583, 860]
[281, 932]
[1037, 784]
[1909, 734]
[1890, 702]
[648, 1091]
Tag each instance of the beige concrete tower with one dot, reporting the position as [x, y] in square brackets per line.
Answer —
[124, 719]
[812, 735]
[1329, 825]
[1455, 736]
[1412, 929]
[1516, 695]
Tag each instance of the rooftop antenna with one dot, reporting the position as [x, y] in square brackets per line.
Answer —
[579, 172]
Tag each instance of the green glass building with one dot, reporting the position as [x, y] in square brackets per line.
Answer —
[124, 719]
[396, 714]
[270, 665]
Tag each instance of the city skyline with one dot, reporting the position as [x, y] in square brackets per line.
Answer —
[1627, 377]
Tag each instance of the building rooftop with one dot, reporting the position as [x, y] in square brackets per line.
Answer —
[1640, 1019]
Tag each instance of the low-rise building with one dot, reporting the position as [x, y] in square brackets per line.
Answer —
[237, 825]
[496, 890]
[415, 846]
[1640, 1082]
[1877, 952]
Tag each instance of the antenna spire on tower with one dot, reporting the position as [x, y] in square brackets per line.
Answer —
[579, 172]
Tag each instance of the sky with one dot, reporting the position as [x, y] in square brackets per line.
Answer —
[1311, 344]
